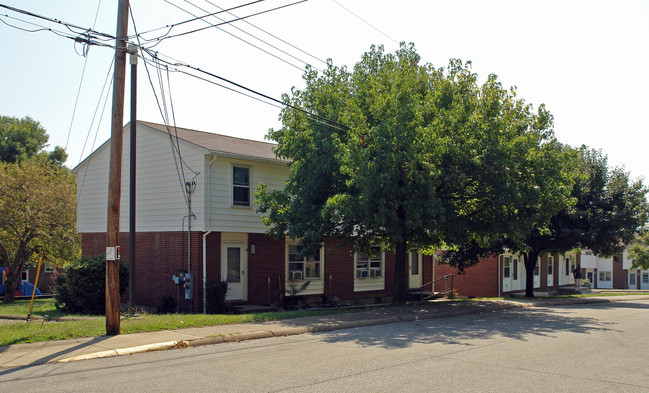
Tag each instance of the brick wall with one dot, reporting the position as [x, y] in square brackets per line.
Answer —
[266, 276]
[480, 280]
[620, 275]
[339, 270]
[160, 255]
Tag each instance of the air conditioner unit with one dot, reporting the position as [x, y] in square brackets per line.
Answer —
[295, 275]
[362, 273]
[375, 273]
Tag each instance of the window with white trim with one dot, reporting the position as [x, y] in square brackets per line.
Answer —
[307, 268]
[49, 268]
[240, 186]
[604, 276]
[645, 278]
[507, 267]
[515, 273]
[369, 265]
[550, 265]
[632, 278]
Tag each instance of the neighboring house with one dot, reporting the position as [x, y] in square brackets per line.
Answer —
[636, 278]
[505, 274]
[228, 237]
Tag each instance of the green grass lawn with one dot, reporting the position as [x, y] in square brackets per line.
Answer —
[88, 326]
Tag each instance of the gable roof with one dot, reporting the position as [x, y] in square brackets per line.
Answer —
[221, 144]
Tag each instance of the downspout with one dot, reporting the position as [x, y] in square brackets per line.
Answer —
[208, 184]
[499, 276]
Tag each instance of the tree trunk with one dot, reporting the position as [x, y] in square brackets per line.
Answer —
[10, 288]
[530, 259]
[400, 276]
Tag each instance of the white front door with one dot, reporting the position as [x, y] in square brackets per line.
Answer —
[507, 274]
[234, 270]
[414, 278]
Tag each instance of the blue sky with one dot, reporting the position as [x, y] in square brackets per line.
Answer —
[588, 61]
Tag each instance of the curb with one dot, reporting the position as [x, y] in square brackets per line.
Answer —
[474, 308]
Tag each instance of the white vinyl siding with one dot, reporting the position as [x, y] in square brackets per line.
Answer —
[223, 216]
[159, 198]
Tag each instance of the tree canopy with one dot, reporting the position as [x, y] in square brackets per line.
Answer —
[37, 216]
[412, 157]
[25, 138]
[606, 212]
[639, 252]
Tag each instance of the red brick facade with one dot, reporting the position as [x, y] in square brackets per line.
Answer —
[160, 255]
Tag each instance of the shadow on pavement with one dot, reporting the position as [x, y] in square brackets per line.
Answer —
[513, 324]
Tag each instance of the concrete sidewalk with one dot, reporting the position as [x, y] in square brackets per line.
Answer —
[127, 344]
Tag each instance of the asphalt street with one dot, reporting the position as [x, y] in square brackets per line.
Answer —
[595, 347]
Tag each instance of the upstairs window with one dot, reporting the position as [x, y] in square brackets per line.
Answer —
[308, 268]
[369, 266]
[240, 186]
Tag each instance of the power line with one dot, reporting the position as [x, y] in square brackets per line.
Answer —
[331, 123]
[366, 22]
[70, 26]
[272, 35]
[83, 73]
[251, 35]
[224, 23]
[170, 27]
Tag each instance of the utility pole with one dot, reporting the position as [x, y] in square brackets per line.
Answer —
[115, 173]
[131, 207]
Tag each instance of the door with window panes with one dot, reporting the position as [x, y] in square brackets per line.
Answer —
[414, 276]
[507, 274]
[234, 266]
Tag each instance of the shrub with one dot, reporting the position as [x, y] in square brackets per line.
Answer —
[452, 294]
[81, 288]
[168, 305]
[215, 292]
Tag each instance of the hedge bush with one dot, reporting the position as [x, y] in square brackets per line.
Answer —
[81, 288]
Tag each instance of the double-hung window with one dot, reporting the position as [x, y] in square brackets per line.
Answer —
[307, 268]
[645, 278]
[240, 186]
[550, 265]
[369, 265]
[604, 276]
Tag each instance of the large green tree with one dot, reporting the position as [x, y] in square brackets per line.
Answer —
[37, 216]
[639, 252]
[24, 138]
[606, 212]
[412, 157]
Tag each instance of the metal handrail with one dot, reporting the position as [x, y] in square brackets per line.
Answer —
[432, 284]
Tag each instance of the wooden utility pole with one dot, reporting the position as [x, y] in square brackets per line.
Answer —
[131, 208]
[115, 173]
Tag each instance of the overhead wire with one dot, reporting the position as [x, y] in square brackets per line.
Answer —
[282, 103]
[251, 35]
[366, 22]
[109, 82]
[83, 73]
[175, 149]
[226, 22]
[271, 34]
[68, 25]
[169, 27]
